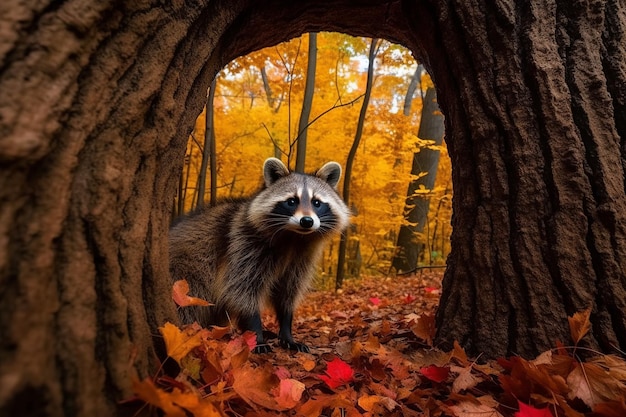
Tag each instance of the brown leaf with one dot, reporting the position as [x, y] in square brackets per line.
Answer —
[593, 385]
[579, 324]
[425, 328]
[465, 380]
[471, 409]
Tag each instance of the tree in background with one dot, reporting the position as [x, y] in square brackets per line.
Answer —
[347, 172]
[411, 242]
[248, 96]
[307, 104]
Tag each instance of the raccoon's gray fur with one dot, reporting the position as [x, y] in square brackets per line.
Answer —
[245, 254]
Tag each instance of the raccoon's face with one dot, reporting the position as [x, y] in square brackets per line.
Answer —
[305, 211]
[300, 203]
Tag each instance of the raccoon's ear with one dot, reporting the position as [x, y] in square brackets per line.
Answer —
[330, 172]
[273, 170]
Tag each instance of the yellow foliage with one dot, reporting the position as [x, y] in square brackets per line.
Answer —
[254, 121]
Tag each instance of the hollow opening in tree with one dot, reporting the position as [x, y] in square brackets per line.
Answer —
[274, 102]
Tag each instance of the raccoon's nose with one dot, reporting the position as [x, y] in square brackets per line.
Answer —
[307, 222]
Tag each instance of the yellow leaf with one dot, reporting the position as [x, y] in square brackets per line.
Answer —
[177, 343]
[174, 403]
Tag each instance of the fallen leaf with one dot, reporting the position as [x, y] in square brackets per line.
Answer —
[177, 343]
[337, 373]
[181, 297]
[372, 402]
[424, 328]
[435, 373]
[174, 403]
[254, 385]
[579, 325]
[288, 393]
[593, 385]
[471, 409]
[529, 411]
[465, 379]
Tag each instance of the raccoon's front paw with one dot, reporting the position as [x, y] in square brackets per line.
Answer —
[262, 348]
[298, 347]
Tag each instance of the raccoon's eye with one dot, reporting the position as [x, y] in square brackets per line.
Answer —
[291, 202]
[316, 203]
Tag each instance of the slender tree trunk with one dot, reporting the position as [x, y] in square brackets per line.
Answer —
[267, 88]
[208, 152]
[410, 91]
[343, 243]
[425, 163]
[307, 104]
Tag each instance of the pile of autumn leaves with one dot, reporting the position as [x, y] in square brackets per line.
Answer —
[375, 359]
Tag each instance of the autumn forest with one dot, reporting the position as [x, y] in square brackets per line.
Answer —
[483, 155]
[258, 109]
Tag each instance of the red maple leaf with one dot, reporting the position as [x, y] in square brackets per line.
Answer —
[435, 373]
[529, 411]
[375, 300]
[337, 373]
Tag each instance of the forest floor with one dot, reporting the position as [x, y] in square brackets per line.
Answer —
[372, 355]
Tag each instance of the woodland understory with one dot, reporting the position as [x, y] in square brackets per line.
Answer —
[372, 354]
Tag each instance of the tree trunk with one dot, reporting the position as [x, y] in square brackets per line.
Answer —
[425, 163]
[307, 103]
[534, 100]
[208, 152]
[343, 243]
[410, 91]
[98, 100]
[94, 124]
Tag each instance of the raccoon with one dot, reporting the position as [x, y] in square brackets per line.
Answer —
[246, 254]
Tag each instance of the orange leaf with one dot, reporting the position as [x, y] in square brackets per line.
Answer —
[288, 393]
[254, 386]
[179, 294]
[374, 403]
[173, 403]
[579, 324]
[177, 343]
[459, 353]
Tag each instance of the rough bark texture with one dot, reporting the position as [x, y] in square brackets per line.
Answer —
[97, 100]
[533, 94]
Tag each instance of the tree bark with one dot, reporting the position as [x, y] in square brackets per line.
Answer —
[425, 163]
[534, 98]
[98, 99]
